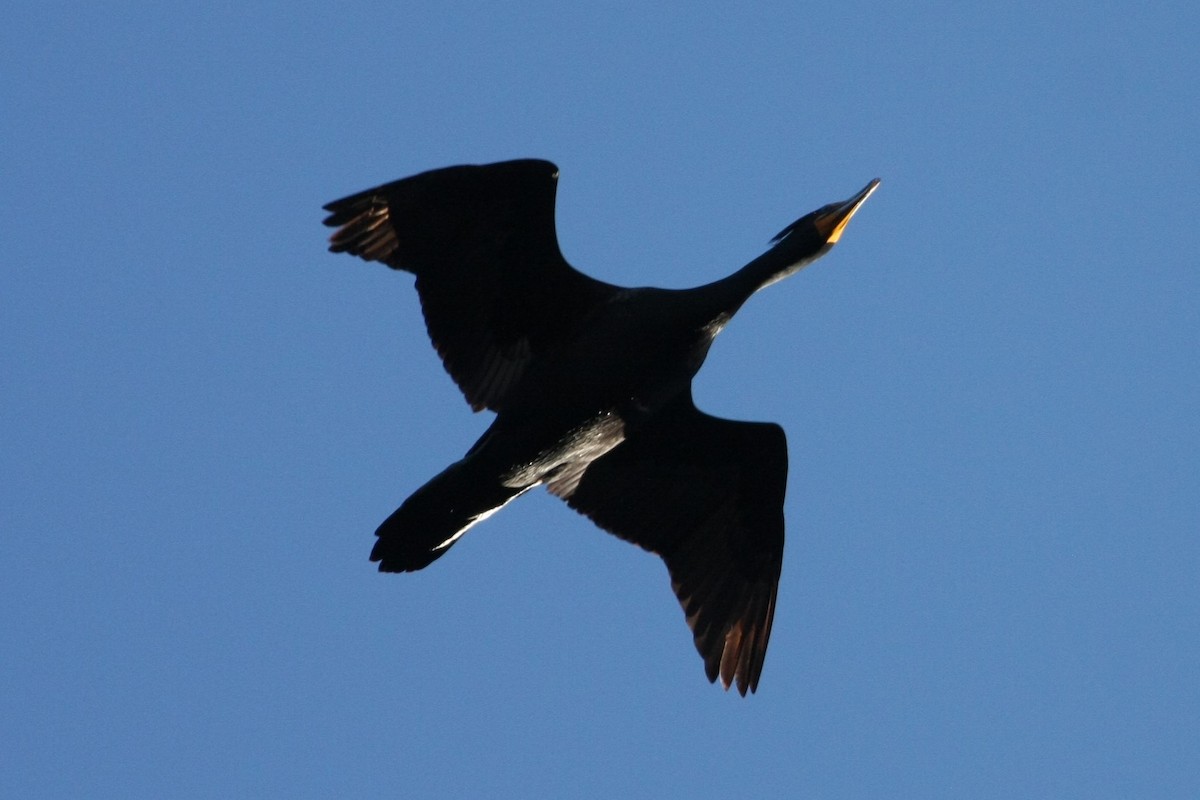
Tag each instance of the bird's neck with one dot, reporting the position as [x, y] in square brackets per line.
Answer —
[728, 294]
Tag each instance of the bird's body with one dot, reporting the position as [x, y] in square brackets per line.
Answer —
[592, 388]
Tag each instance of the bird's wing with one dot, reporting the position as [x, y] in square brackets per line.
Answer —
[494, 287]
[707, 495]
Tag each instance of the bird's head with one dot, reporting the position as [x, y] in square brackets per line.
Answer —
[812, 235]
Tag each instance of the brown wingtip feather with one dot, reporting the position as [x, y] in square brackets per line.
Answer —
[737, 657]
[363, 227]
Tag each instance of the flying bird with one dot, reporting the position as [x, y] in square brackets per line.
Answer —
[591, 386]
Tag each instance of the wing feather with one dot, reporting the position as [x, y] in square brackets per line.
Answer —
[495, 289]
[705, 494]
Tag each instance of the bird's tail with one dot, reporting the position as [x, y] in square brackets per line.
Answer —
[436, 516]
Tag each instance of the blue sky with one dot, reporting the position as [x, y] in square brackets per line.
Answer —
[990, 389]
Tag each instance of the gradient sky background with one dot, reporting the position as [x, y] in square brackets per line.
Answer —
[991, 390]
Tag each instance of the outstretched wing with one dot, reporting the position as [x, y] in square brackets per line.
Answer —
[706, 494]
[494, 287]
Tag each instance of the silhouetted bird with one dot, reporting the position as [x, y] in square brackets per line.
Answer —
[591, 385]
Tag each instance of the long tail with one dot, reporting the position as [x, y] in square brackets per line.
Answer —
[436, 516]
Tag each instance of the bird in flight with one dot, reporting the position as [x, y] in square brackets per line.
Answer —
[591, 384]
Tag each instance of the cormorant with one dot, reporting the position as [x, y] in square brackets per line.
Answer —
[591, 385]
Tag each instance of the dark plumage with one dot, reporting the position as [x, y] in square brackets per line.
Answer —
[591, 385]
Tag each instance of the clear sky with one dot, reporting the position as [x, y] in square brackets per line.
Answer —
[991, 389]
